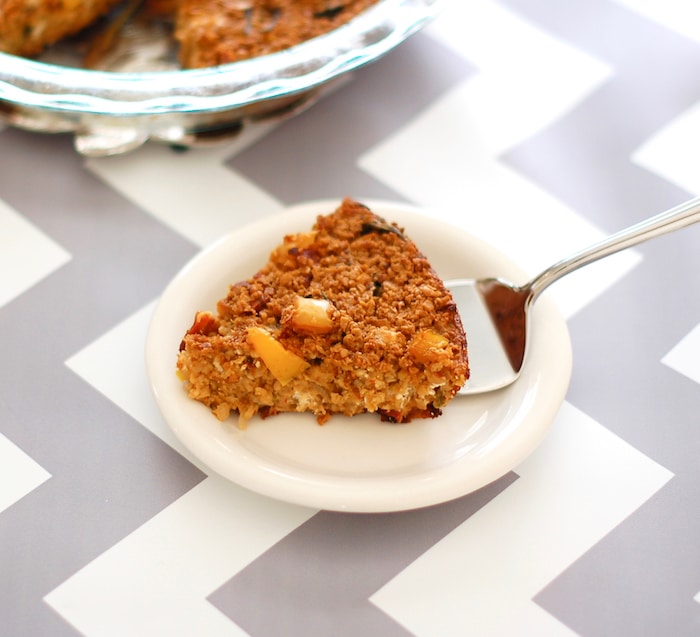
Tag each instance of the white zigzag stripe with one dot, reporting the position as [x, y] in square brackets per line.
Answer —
[572, 491]
[678, 15]
[18, 239]
[19, 474]
[472, 187]
[201, 540]
[666, 152]
[683, 358]
[662, 155]
[161, 182]
[156, 580]
[545, 79]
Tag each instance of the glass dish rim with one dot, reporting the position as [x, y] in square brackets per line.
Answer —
[40, 85]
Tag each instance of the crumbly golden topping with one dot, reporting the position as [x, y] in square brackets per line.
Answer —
[26, 28]
[347, 318]
[213, 32]
[208, 32]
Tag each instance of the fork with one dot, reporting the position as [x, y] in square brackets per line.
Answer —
[497, 313]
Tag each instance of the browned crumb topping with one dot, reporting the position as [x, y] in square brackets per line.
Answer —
[209, 32]
[346, 318]
[213, 32]
[26, 28]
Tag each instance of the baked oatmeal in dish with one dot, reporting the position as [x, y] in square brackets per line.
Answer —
[28, 27]
[213, 32]
[345, 318]
[207, 32]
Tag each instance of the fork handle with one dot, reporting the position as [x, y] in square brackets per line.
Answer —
[673, 219]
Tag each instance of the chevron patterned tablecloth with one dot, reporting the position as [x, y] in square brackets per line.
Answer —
[539, 126]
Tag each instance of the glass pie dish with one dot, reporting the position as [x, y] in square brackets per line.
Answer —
[140, 94]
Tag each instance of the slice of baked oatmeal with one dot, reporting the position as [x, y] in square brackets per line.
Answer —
[346, 318]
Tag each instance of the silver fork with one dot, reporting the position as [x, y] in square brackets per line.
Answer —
[496, 313]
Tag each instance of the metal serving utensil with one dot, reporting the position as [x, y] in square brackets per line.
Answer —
[496, 313]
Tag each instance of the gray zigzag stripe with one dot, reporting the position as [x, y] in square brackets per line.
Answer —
[322, 575]
[650, 406]
[652, 83]
[625, 387]
[329, 157]
[94, 497]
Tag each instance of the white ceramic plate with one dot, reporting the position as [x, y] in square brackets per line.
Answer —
[360, 464]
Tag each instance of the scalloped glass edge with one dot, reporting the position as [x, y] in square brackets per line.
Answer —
[308, 65]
